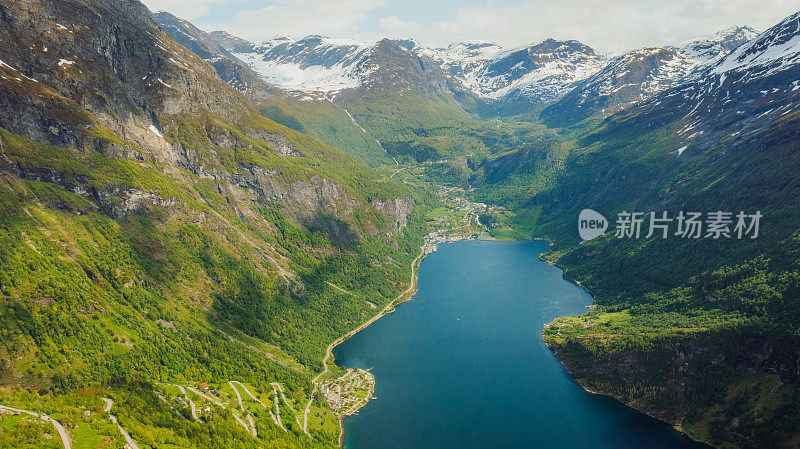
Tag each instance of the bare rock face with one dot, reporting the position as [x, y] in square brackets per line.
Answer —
[277, 142]
[119, 202]
[397, 209]
[100, 76]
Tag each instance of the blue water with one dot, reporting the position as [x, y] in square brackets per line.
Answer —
[464, 366]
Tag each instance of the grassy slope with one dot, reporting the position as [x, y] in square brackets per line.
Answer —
[88, 298]
[328, 122]
[119, 268]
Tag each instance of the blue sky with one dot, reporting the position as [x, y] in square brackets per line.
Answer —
[610, 25]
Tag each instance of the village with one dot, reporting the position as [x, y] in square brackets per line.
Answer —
[461, 219]
[350, 392]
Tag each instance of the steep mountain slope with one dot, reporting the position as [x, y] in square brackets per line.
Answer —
[315, 115]
[640, 74]
[157, 228]
[385, 88]
[747, 91]
[629, 78]
[536, 74]
[705, 339]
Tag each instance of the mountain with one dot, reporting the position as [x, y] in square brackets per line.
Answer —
[478, 75]
[312, 114]
[700, 333]
[627, 79]
[464, 59]
[536, 74]
[318, 64]
[747, 91]
[228, 67]
[156, 228]
[639, 74]
[397, 95]
[312, 64]
[705, 49]
[540, 72]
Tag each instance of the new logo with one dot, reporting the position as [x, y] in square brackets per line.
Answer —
[591, 224]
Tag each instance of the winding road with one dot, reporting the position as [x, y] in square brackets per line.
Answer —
[59, 428]
[329, 350]
[206, 397]
[252, 427]
[248, 393]
[107, 409]
[191, 403]
[278, 409]
[238, 396]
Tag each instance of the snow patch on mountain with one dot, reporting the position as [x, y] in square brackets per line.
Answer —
[311, 64]
[542, 71]
[772, 51]
[667, 68]
[709, 48]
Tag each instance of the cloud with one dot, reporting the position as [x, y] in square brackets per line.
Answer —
[612, 25]
[395, 27]
[186, 9]
[340, 18]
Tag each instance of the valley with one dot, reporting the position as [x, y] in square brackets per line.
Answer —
[194, 227]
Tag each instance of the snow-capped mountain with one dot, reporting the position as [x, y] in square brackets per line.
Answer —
[464, 60]
[532, 75]
[313, 63]
[629, 78]
[775, 51]
[538, 73]
[463, 55]
[342, 68]
[642, 73]
[541, 72]
[514, 79]
[709, 48]
[745, 91]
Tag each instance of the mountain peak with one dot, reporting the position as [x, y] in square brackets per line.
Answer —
[407, 43]
[769, 52]
[709, 48]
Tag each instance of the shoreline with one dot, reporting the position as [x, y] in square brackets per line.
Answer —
[389, 308]
[401, 298]
[428, 246]
[585, 387]
[636, 409]
[412, 290]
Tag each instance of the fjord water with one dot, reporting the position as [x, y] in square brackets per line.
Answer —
[464, 366]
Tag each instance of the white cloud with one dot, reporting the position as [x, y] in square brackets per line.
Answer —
[395, 27]
[186, 9]
[340, 18]
[612, 25]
